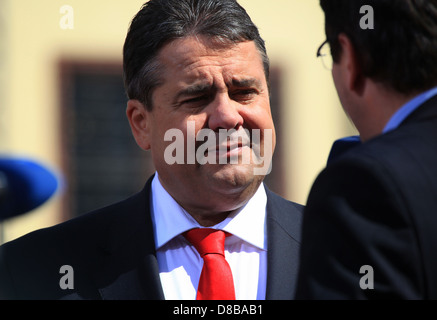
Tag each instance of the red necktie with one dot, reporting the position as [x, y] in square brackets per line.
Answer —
[216, 282]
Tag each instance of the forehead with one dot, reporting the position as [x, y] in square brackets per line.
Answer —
[195, 57]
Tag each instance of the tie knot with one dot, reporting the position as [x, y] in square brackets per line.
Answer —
[207, 240]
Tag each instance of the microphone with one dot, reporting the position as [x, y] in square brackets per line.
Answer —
[24, 186]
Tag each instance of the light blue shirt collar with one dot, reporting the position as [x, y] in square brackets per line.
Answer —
[408, 108]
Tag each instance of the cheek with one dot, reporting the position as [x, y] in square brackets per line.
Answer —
[258, 117]
[338, 80]
[159, 126]
[343, 95]
[174, 129]
[261, 118]
[198, 121]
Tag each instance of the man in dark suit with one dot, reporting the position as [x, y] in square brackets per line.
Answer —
[193, 70]
[369, 229]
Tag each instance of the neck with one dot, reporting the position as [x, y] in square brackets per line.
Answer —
[211, 204]
[379, 105]
[209, 220]
[207, 215]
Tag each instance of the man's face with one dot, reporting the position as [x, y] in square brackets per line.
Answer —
[209, 87]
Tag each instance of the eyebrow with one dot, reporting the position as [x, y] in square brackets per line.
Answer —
[192, 90]
[246, 83]
[205, 87]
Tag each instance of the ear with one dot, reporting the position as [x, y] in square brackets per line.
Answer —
[352, 72]
[138, 117]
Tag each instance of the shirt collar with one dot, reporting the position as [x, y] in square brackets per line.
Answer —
[408, 108]
[170, 219]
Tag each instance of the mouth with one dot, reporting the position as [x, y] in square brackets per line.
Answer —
[228, 151]
[224, 147]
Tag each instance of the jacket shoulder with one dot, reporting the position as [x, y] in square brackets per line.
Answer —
[33, 262]
[279, 202]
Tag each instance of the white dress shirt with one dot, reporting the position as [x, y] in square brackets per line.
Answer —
[179, 263]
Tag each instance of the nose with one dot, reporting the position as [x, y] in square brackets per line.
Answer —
[224, 114]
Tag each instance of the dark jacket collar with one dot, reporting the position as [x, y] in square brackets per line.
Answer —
[129, 269]
[284, 220]
[428, 110]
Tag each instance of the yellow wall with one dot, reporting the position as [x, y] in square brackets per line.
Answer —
[33, 43]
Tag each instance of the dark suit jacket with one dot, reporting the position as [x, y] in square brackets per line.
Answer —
[112, 253]
[375, 205]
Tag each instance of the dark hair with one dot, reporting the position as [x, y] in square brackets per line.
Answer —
[161, 21]
[401, 50]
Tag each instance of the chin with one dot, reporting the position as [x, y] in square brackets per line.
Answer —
[232, 177]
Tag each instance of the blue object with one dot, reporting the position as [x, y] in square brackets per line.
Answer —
[408, 108]
[24, 185]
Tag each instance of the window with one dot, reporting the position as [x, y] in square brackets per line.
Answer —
[102, 162]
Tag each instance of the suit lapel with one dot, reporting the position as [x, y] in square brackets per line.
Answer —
[283, 235]
[137, 283]
[129, 268]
